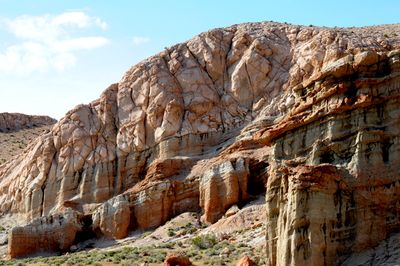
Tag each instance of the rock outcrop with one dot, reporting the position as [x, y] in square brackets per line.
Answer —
[177, 259]
[10, 122]
[245, 261]
[46, 234]
[112, 218]
[222, 186]
[333, 185]
[306, 115]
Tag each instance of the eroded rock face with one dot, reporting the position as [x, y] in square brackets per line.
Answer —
[10, 122]
[46, 234]
[113, 218]
[245, 261]
[333, 186]
[221, 187]
[310, 112]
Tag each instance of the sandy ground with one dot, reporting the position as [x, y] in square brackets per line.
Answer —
[13, 143]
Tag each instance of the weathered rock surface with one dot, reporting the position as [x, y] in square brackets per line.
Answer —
[245, 261]
[387, 253]
[113, 218]
[10, 122]
[333, 187]
[223, 186]
[45, 234]
[310, 112]
[177, 259]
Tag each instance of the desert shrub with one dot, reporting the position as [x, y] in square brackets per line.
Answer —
[159, 257]
[191, 253]
[197, 257]
[211, 252]
[168, 245]
[192, 230]
[171, 232]
[111, 253]
[204, 241]
[188, 225]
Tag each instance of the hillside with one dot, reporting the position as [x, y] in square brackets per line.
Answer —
[13, 143]
[18, 130]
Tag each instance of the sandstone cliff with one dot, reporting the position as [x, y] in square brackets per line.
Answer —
[307, 113]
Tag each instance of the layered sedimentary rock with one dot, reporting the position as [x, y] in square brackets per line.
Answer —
[334, 185]
[46, 234]
[14, 121]
[309, 112]
[222, 186]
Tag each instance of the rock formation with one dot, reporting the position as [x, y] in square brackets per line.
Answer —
[177, 259]
[112, 218]
[245, 261]
[56, 232]
[306, 115]
[333, 185]
[10, 122]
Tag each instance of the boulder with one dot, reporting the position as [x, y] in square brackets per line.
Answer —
[245, 261]
[112, 218]
[177, 259]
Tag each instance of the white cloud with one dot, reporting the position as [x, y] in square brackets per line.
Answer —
[80, 43]
[46, 42]
[138, 40]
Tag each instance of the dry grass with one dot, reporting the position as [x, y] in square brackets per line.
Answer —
[13, 143]
[222, 253]
[212, 245]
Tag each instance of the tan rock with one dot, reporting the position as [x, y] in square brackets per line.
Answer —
[232, 211]
[245, 261]
[47, 234]
[222, 186]
[113, 218]
[326, 200]
[366, 58]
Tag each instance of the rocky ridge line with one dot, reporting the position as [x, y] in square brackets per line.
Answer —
[11, 122]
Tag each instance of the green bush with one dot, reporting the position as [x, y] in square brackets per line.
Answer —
[171, 232]
[159, 257]
[204, 241]
[189, 224]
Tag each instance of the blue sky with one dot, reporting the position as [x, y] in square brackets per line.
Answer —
[57, 54]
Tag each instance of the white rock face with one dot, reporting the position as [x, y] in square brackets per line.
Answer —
[113, 218]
